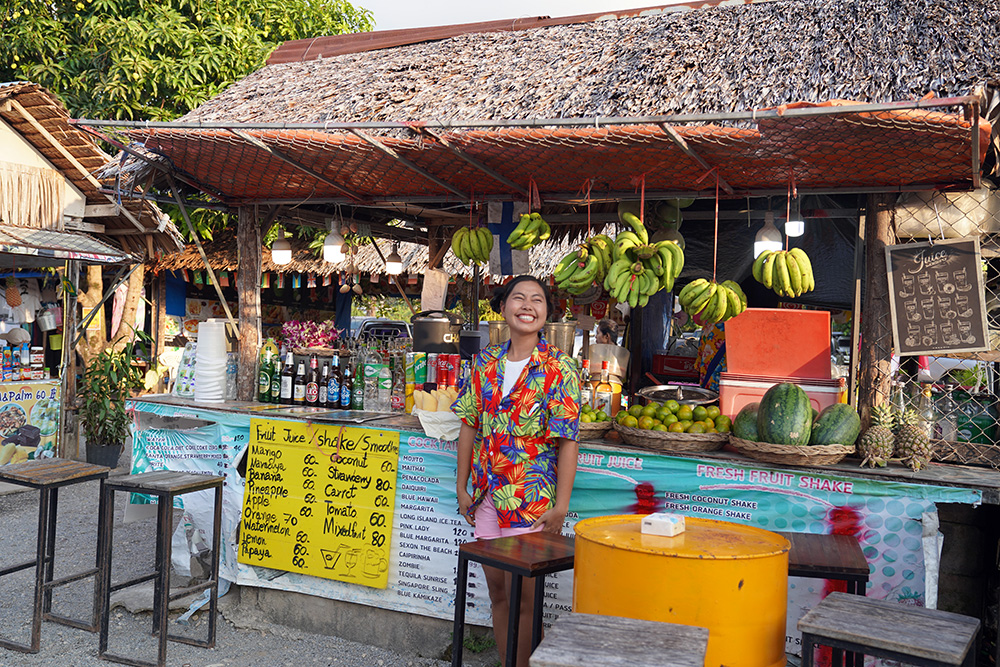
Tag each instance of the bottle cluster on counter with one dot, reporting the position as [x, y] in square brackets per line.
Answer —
[377, 375]
[23, 362]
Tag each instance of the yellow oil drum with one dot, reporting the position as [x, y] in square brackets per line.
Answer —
[729, 578]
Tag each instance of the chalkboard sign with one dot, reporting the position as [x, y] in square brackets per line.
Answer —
[936, 297]
[319, 500]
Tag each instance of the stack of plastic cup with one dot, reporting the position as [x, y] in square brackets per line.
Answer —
[210, 362]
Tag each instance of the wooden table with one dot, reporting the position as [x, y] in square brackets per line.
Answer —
[532, 555]
[828, 557]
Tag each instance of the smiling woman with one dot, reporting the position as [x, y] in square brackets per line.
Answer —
[520, 416]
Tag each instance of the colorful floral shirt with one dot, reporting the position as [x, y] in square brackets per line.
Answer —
[515, 453]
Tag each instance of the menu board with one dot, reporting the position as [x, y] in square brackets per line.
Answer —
[319, 500]
[936, 297]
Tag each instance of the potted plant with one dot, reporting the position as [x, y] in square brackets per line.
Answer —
[108, 382]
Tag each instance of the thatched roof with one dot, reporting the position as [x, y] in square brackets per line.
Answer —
[39, 117]
[712, 60]
[222, 254]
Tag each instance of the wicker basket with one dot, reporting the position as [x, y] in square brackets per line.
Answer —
[666, 441]
[816, 455]
[594, 430]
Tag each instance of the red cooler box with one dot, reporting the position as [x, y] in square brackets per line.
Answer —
[736, 390]
[779, 343]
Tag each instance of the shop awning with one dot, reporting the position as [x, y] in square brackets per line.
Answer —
[837, 146]
[29, 247]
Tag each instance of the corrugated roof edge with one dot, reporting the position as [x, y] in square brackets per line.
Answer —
[301, 50]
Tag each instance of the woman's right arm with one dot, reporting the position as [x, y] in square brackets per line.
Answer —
[466, 442]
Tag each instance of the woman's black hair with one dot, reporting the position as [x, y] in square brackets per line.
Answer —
[501, 292]
[609, 329]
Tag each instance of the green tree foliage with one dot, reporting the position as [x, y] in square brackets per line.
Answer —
[154, 59]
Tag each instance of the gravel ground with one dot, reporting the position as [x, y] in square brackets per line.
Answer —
[243, 636]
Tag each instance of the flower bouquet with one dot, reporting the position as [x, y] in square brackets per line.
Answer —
[308, 335]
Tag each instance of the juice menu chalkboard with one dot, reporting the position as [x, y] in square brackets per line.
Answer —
[319, 500]
[936, 297]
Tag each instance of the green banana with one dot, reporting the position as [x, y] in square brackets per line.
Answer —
[735, 305]
[690, 291]
[758, 266]
[562, 270]
[699, 302]
[767, 271]
[656, 264]
[805, 268]
[633, 292]
[736, 289]
[643, 300]
[637, 227]
[794, 275]
[781, 279]
[676, 254]
[584, 276]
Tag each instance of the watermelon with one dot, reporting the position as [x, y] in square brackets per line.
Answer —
[785, 416]
[745, 423]
[838, 424]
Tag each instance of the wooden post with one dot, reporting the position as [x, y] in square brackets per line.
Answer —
[68, 445]
[248, 287]
[876, 328]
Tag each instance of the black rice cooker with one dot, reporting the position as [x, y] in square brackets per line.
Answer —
[436, 331]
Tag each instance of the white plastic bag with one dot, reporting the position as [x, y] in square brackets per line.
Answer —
[441, 425]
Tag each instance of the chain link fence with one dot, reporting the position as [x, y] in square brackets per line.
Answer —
[956, 392]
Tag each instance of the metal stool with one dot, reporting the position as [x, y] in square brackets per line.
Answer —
[47, 476]
[532, 555]
[165, 486]
[911, 635]
[837, 557]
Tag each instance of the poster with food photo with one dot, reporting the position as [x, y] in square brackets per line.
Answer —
[29, 420]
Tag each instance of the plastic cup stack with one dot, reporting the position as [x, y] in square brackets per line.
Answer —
[210, 362]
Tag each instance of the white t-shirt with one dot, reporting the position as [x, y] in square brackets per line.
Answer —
[512, 371]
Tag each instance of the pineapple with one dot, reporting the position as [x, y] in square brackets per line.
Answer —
[13, 294]
[912, 444]
[875, 445]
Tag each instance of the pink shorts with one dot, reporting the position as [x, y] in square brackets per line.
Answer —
[488, 523]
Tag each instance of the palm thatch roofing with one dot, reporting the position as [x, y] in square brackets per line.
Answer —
[139, 228]
[223, 255]
[711, 60]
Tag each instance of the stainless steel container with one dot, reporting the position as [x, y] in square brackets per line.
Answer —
[561, 334]
[499, 332]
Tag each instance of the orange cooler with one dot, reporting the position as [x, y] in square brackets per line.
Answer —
[727, 577]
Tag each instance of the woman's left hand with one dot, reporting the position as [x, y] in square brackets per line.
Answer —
[552, 520]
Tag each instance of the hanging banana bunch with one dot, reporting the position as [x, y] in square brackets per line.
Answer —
[472, 245]
[787, 272]
[640, 269]
[530, 230]
[580, 269]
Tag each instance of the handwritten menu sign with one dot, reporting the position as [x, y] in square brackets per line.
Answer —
[308, 509]
[936, 297]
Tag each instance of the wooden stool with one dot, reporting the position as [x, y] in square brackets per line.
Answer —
[912, 635]
[532, 555]
[165, 485]
[837, 557]
[47, 475]
[592, 640]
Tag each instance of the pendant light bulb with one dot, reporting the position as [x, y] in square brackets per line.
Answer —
[333, 247]
[768, 238]
[795, 225]
[394, 263]
[281, 249]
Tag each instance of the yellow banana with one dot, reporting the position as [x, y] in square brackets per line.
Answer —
[758, 266]
[767, 271]
[702, 299]
[794, 275]
[781, 279]
[805, 268]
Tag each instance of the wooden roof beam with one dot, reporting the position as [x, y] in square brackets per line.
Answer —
[683, 145]
[409, 164]
[459, 153]
[281, 155]
[55, 143]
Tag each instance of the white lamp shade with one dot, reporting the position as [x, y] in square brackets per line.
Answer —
[768, 238]
[333, 247]
[333, 253]
[281, 252]
[795, 227]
